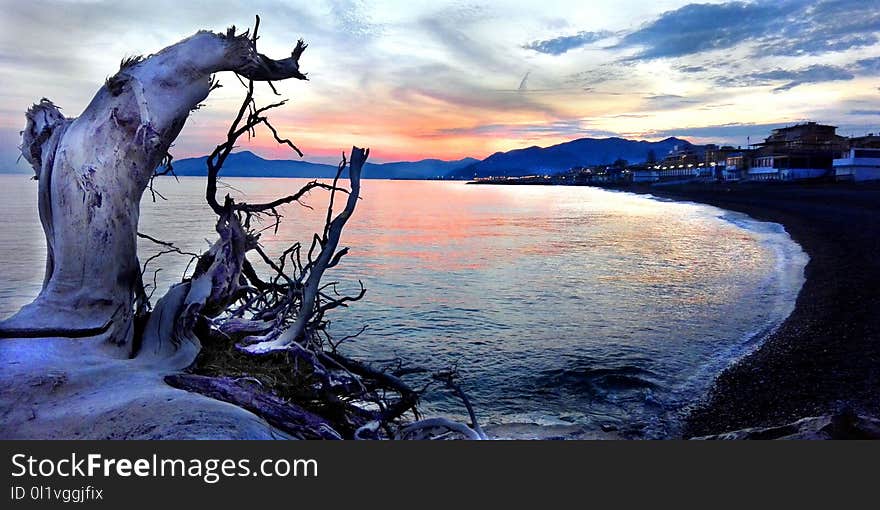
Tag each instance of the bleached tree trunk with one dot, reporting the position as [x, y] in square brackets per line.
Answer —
[93, 171]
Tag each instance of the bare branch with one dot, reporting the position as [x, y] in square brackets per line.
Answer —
[317, 267]
[296, 197]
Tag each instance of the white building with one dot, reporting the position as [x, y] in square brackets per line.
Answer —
[677, 173]
[858, 165]
[763, 170]
[645, 175]
[783, 168]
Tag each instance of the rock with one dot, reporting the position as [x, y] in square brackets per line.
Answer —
[845, 424]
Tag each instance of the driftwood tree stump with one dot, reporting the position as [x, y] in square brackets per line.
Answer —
[92, 315]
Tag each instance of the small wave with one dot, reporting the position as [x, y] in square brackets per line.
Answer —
[600, 381]
[746, 222]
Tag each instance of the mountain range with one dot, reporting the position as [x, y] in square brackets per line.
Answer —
[517, 162]
[563, 156]
[248, 164]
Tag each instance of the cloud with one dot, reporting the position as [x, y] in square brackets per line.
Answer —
[869, 65]
[418, 87]
[864, 112]
[668, 101]
[394, 72]
[629, 116]
[353, 18]
[809, 45]
[461, 32]
[784, 28]
[565, 43]
[598, 75]
[48, 51]
[473, 97]
[696, 28]
[735, 133]
[814, 28]
[575, 128]
[813, 74]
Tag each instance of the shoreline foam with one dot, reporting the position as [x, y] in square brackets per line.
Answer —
[826, 355]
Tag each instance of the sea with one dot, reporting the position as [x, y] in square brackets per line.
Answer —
[567, 311]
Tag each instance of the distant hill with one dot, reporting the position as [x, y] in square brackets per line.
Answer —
[518, 162]
[248, 164]
[561, 157]
[424, 169]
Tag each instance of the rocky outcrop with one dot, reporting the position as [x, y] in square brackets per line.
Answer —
[843, 425]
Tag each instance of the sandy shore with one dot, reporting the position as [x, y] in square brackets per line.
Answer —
[826, 355]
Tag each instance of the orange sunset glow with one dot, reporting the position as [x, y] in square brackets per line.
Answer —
[454, 80]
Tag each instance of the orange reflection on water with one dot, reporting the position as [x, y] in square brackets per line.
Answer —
[406, 223]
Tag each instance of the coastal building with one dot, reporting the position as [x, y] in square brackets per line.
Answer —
[736, 165]
[679, 173]
[808, 136]
[578, 176]
[716, 161]
[644, 175]
[869, 141]
[788, 167]
[802, 151]
[858, 164]
[688, 163]
[492, 178]
[682, 155]
[608, 174]
[706, 171]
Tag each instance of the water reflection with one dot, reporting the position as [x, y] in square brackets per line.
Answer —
[558, 304]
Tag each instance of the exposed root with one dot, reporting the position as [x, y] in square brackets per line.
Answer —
[248, 394]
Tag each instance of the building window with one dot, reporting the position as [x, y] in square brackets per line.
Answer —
[866, 153]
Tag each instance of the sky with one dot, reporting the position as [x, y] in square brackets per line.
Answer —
[447, 80]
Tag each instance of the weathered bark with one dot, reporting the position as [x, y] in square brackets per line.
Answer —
[94, 169]
[247, 394]
[169, 335]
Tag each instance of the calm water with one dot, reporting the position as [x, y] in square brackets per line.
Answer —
[559, 305]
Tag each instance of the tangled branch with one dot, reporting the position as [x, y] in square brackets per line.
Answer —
[273, 325]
